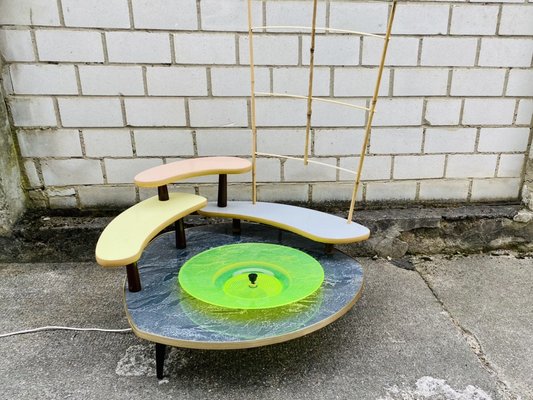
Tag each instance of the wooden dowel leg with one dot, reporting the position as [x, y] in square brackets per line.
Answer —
[222, 190]
[162, 193]
[236, 226]
[160, 352]
[179, 227]
[134, 280]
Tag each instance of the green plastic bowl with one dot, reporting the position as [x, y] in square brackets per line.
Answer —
[251, 276]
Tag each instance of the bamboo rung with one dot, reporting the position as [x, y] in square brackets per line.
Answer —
[295, 96]
[334, 30]
[309, 161]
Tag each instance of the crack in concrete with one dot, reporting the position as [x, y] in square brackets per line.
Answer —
[475, 345]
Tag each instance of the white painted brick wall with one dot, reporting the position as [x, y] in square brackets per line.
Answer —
[281, 141]
[401, 51]
[520, 82]
[418, 167]
[155, 112]
[477, 82]
[49, 143]
[516, 20]
[505, 52]
[67, 45]
[90, 112]
[429, 19]
[165, 14]
[204, 48]
[525, 112]
[270, 50]
[229, 15]
[107, 143]
[443, 111]
[450, 140]
[396, 140]
[29, 12]
[128, 84]
[471, 166]
[43, 79]
[16, 45]
[96, 13]
[503, 139]
[138, 47]
[331, 50]
[329, 142]
[111, 80]
[489, 111]
[71, 172]
[448, 51]
[356, 16]
[218, 112]
[474, 20]
[498, 189]
[172, 81]
[235, 81]
[359, 82]
[511, 165]
[33, 111]
[163, 143]
[224, 142]
[421, 82]
[444, 190]
[296, 81]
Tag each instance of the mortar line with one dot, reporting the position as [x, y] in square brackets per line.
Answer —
[473, 343]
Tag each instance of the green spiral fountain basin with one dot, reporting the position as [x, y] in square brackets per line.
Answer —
[251, 276]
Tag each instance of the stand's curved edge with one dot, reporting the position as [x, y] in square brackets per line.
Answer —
[190, 168]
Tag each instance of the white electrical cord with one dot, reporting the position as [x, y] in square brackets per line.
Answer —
[66, 328]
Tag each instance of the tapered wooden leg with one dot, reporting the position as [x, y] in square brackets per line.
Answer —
[179, 227]
[162, 193]
[236, 226]
[222, 200]
[134, 280]
[160, 352]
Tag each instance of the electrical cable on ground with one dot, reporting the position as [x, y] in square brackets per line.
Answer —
[67, 328]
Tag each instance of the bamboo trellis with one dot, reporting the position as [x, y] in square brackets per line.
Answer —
[371, 110]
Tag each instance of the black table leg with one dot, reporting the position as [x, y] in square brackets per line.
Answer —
[160, 351]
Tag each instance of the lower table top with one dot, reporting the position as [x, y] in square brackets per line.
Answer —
[163, 313]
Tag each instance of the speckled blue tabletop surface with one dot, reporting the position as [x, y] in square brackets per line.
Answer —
[163, 313]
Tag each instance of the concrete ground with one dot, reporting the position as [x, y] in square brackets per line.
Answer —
[453, 328]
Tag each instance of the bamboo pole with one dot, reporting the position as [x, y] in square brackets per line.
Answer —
[252, 103]
[371, 112]
[296, 96]
[310, 89]
[310, 161]
[334, 30]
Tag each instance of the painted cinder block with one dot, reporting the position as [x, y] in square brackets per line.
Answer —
[235, 81]
[81, 112]
[496, 52]
[29, 12]
[503, 139]
[391, 191]
[107, 142]
[204, 48]
[468, 19]
[421, 19]
[511, 165]
[96, 13]
[155, 112]
[419, 167]
[471, 166]
[33, 111]
[296, 171]
[331, 50]
[43, 79]
[516, 20]
[495, 189]
[420, 82]
[401, 51]
[443, 111]
[224, 142]
[270, 49]
[447, 51]
[16, 45]
[138, 47]
[229, 15]
[396, 140]
[106, 196]
[489, 111]
[477, 82]
[66, 45]
[72, 172]
[444, 189]
[111, 80]
[225, 113]
[450, 140]
[163, 142]
[165, 14]
[124, 170]
[49, 143]
[356, 16]
[374, 168]
[359, 82]
[176, 81]
[520, 83]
